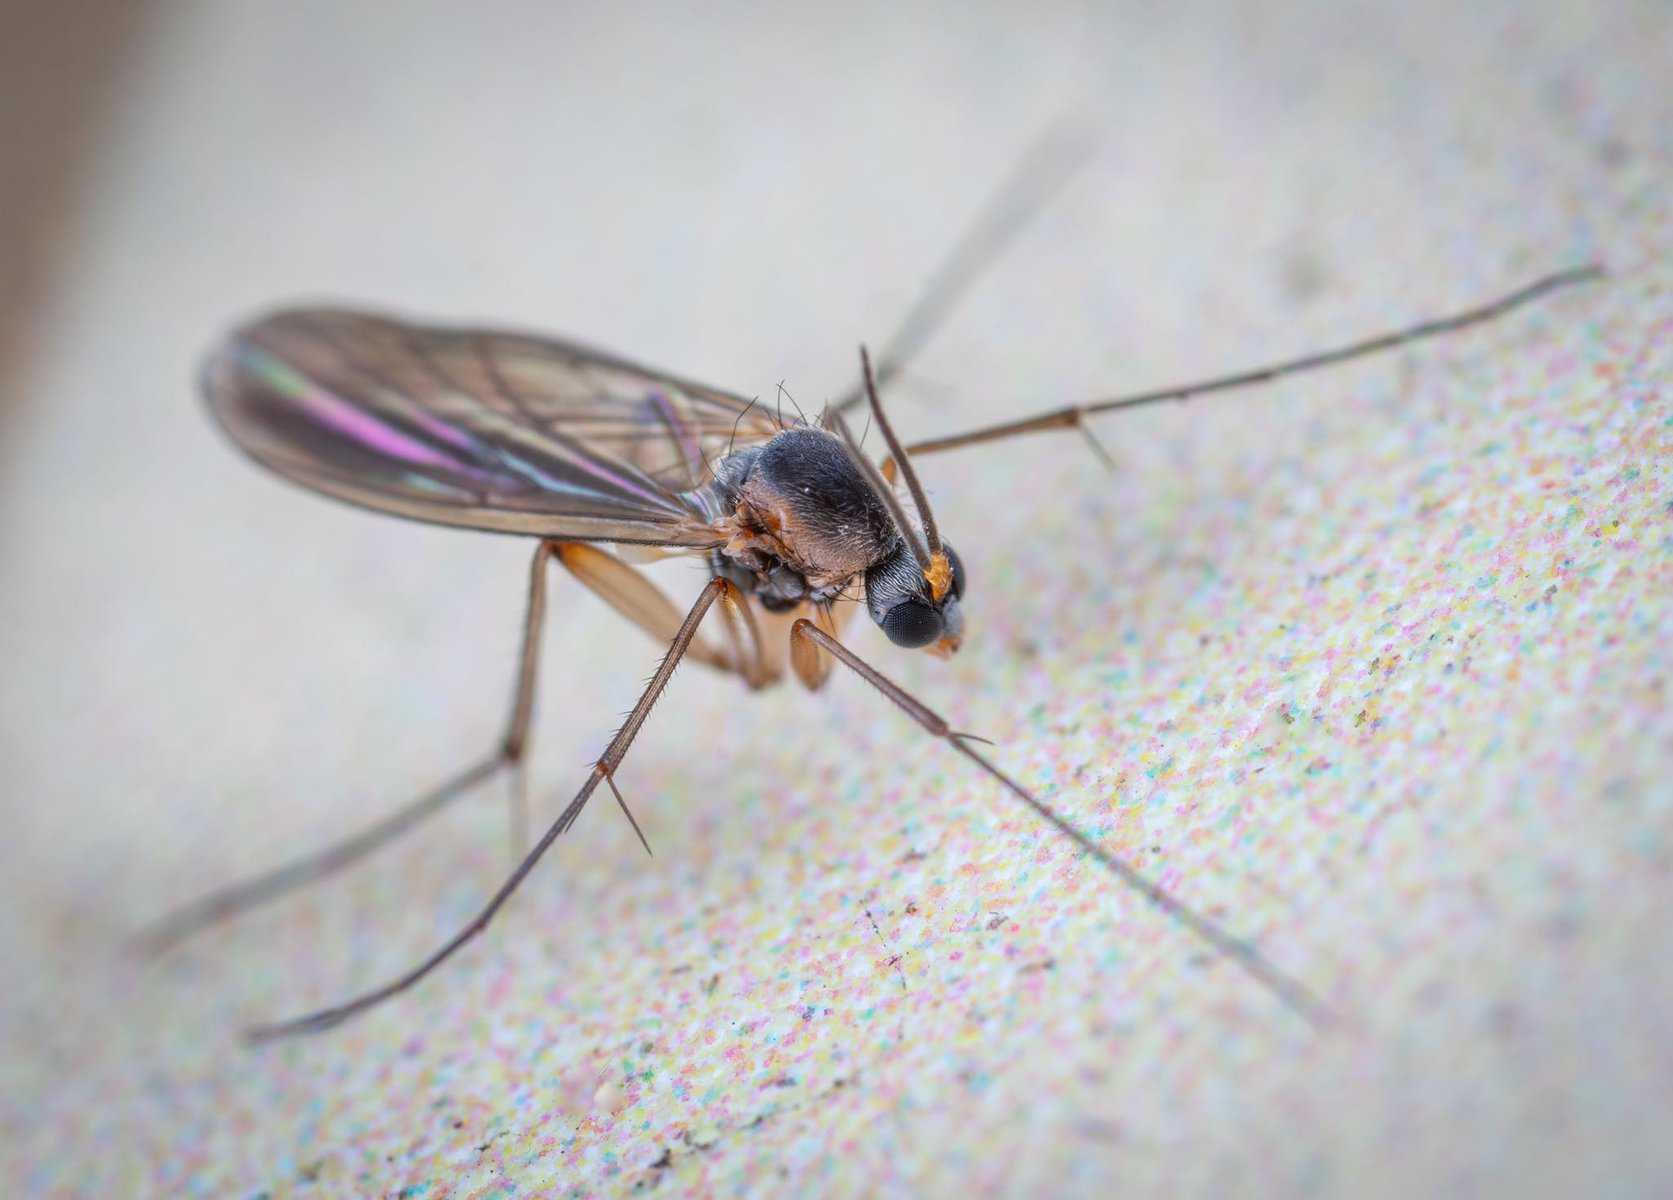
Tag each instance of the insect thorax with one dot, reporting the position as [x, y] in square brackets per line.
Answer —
[802, 522]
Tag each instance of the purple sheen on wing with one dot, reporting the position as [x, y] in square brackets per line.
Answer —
[449, 433]
[681, 431]
[535, 475]
[338, 414]
[618, 480]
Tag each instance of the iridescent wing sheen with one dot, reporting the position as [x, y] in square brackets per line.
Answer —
[478, 427]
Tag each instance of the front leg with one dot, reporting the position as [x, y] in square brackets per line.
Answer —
[1288, 990]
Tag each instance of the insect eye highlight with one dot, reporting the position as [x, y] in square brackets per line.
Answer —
[912, 624]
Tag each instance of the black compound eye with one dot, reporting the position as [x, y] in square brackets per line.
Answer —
[958, 570]
[912, 623]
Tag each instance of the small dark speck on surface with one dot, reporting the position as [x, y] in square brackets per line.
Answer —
[1504, 1020]
[1302, 276]
[1613, 153]
[692, 1143]
[1563, 927]
[1099, 1131]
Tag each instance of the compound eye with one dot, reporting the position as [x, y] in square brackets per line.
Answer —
[958, 570]
[912, 623]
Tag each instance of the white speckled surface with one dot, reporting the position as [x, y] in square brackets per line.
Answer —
[1373, 666]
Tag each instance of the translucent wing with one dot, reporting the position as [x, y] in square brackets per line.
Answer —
[477, 427]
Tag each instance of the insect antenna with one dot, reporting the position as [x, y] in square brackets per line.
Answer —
[898, 452]
[938, 571]
[885, 493]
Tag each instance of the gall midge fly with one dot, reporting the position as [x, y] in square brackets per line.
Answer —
[575, 448]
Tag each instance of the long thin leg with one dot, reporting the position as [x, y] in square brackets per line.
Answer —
[517, 831]
[1288, 990]
[1032, 182]
[1075, 415]
[743, 634]
[603, 769]
[619, 584]
[810, 666]
[252, 893]
[241, 897]
[626, 589]
[514, 746]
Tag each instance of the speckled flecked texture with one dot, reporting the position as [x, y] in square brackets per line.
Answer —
[1372, 666]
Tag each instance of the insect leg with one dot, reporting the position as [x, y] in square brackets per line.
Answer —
[604, 769]
[619, 584]
[743, 634]
[241, 897]
[1041, 173]
[1288, 990]
[626, 589]
[810, 666]
[1075, 415]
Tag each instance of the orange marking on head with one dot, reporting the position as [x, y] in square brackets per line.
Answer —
[939, 576]
[944, 648]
